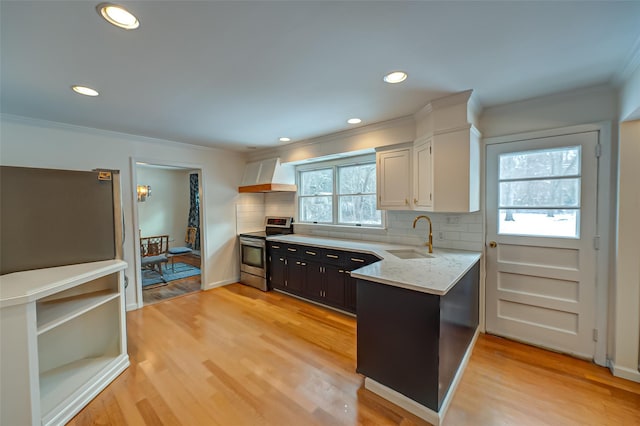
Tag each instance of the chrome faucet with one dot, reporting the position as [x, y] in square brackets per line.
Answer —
[430, 241]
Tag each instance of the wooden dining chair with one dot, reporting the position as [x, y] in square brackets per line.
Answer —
[154, 252]
[190, 240]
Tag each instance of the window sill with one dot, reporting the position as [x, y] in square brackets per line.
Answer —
[301, 228]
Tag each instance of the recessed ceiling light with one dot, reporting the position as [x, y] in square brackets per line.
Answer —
[118, 16]
[395, 77]
[284, 140]
[84, 90]
[354, 121]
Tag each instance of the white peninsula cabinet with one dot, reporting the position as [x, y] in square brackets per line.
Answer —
[63, 339]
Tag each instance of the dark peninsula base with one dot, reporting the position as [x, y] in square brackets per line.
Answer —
[413, 342]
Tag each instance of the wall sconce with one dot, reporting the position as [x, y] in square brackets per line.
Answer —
[143, 192]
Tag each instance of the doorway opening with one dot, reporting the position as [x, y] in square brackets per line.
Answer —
[169, 247]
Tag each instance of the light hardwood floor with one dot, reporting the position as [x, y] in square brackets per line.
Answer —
[238, 356]
[155, 294]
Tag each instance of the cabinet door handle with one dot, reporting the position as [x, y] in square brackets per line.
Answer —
[290, 249]
[275, 247]
[406, 201]
[312, 253]
[415, 201]
[332, 256]
[355, 259]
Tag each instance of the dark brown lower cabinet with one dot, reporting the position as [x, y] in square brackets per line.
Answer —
[414, 342]
[318, 274]
[334, 285]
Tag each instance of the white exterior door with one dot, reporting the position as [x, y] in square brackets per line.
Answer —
[541, 241]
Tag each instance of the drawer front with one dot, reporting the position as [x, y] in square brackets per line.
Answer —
[275, 247]
[311, 253]
[293, 250]
[358, 260]
[335, 257]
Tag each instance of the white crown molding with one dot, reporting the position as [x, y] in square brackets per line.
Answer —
[274, 151]
[36, 122]
[451, 100]
[630, 65]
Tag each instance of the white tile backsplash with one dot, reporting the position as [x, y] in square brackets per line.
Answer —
[250, 213]
[464, 231]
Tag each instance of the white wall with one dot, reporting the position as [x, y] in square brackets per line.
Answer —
[627, 296]
[590, 105]
[630, 97]
[166, 211]
[31, 143]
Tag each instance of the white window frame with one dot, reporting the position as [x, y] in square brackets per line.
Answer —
[334, 165]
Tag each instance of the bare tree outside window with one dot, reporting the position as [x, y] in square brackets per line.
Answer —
[352, 202]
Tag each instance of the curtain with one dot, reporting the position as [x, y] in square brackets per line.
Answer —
[194, 207]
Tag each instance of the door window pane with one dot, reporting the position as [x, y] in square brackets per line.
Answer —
[540, 163]
[549, 223]
[539, 192]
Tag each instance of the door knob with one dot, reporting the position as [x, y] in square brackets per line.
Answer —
[493, 244]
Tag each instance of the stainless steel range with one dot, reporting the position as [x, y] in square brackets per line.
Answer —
[253, 251]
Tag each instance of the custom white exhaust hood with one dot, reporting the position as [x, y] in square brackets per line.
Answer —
[268, 176]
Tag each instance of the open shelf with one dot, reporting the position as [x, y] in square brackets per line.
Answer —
[58, 384]
[56, 312]
[63, 340]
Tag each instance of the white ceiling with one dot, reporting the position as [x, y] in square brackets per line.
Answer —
[239, 73]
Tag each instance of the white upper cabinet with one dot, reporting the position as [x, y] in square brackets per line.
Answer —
[440, 171]
[394, 178]
[456, 171]
[422, 175]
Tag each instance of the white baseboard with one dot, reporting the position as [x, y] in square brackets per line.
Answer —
[402, 401]
[133, 307]
[626, 373]
[210, 286]
[425, 413]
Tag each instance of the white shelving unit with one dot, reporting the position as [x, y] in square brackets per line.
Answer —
[63, 339]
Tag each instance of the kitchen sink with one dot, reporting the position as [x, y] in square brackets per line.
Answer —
[409, 254]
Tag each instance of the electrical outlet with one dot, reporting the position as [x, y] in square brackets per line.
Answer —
[440, 235]
[453, 220]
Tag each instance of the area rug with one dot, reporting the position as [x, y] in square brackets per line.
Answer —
[170, 272]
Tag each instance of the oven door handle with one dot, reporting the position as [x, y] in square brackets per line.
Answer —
[252, 243]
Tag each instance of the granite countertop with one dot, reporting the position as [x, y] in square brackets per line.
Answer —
[434, 275]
